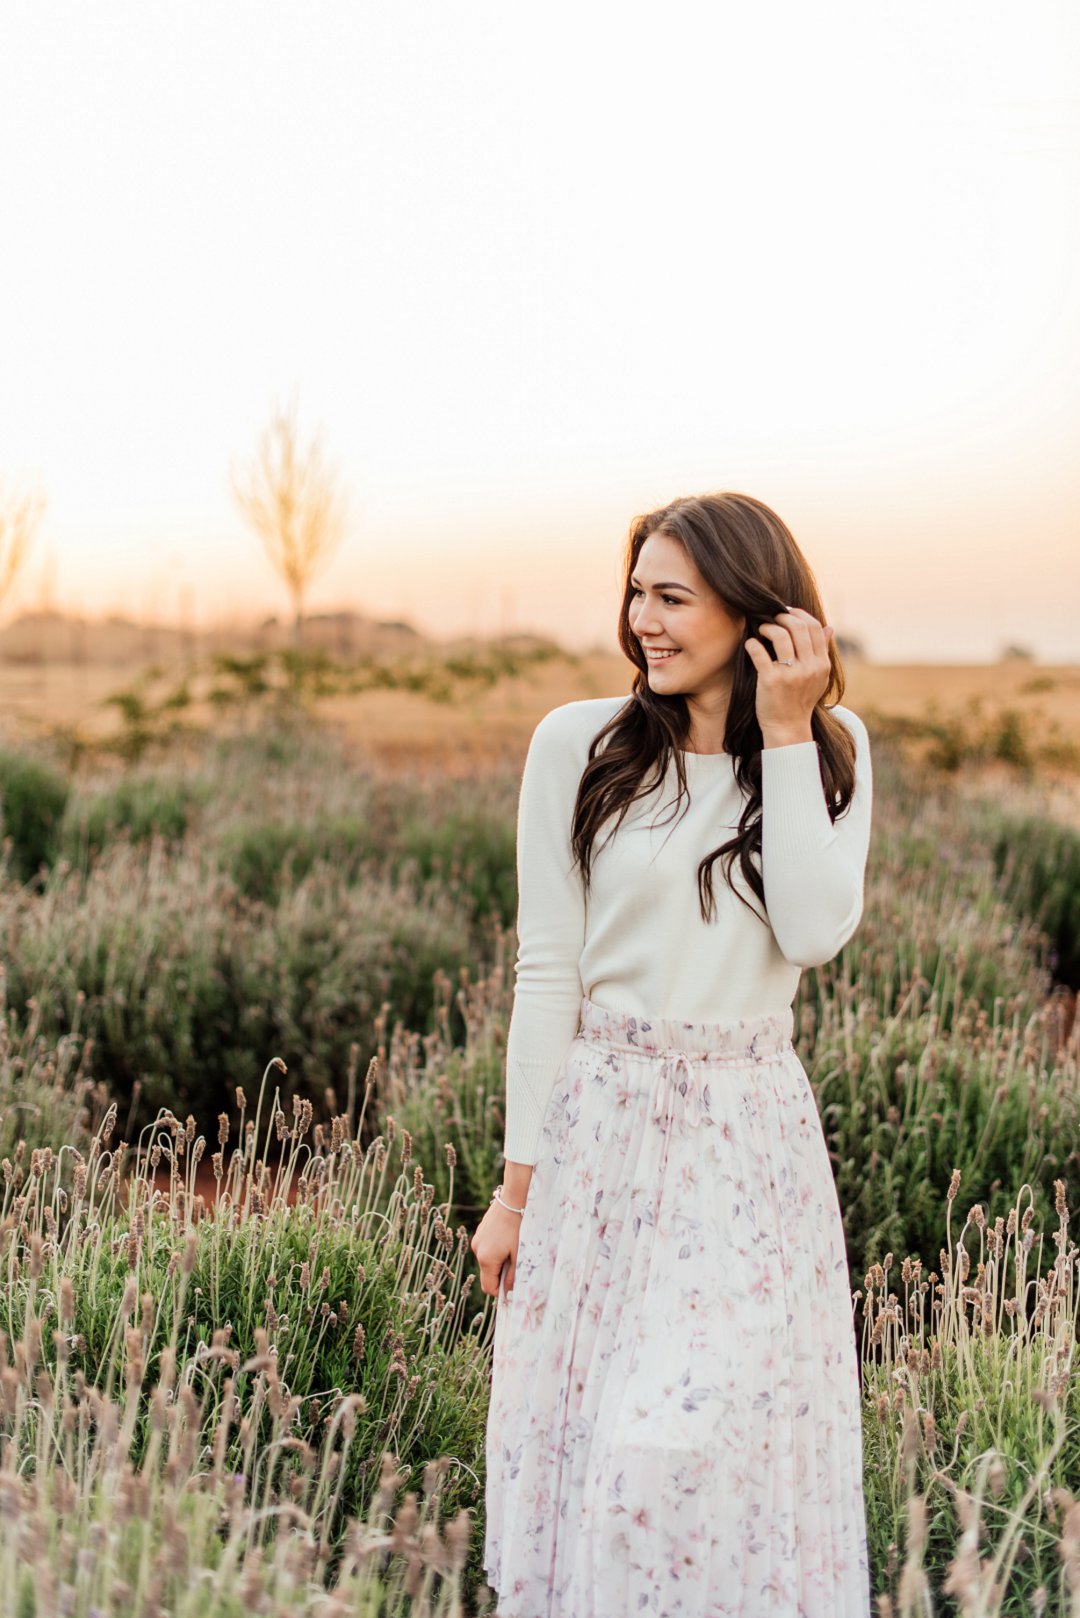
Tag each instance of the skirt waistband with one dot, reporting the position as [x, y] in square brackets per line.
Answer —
[736, 1039]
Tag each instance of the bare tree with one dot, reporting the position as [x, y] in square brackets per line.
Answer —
[293, 501]
[19, 517]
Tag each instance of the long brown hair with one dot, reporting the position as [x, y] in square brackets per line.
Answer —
[749, 557]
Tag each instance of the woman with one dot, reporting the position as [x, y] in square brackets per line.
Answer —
[674, 1424]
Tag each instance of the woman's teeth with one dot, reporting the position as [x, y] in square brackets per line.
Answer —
[660, 657]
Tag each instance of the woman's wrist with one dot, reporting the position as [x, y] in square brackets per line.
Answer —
[516, 1180]
[499, 1201]
[786, 735]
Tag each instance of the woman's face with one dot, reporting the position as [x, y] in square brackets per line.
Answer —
[689, 638]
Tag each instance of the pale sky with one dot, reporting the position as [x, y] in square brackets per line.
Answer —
[534, 269]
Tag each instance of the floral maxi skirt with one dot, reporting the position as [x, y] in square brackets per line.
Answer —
[674, 1426]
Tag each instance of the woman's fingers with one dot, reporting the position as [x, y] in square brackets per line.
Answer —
[802, 635]
[817, 632]
[780, 638]
[493, 1269]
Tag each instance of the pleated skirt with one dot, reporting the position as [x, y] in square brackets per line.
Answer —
[674, 1426]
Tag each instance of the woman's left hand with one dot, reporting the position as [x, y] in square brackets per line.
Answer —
[788, 694]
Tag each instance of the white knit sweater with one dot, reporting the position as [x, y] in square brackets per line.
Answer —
[638, 943]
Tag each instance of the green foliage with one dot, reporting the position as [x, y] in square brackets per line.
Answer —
[971, 1411]
[471, 848]
[903, 1105]
[927, 1039]
[297, 906]
[32, 801]
[1038, 862]
[449, 1085]
[145, 723]
[188, 986]
[949, 739]
[1009, 741]
[281, 901]
[266, 857]
[250, 673]
[317, 1321]
[268, 900]
[47, 1097]
[139, 807]
[284, 683]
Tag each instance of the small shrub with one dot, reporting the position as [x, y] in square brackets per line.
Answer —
[1038, 862]
[264, 857]
[32, 801]
[138, 806]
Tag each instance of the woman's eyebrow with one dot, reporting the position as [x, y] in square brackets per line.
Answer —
[670, 586]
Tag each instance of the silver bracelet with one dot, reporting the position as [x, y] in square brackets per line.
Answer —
[497, 1196]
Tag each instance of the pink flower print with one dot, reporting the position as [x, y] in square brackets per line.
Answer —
[624, 1094]
[685, 1565]
[779, 1586]
[764, 1283]
[583, 1182]
[768, 1359]
[532, 1312]
[726, 1307]
[688, 1176]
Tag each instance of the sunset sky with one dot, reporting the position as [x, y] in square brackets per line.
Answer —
[535, 269]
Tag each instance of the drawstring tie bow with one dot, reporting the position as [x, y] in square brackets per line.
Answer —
[679, 1076]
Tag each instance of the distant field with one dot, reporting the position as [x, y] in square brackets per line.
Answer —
[486, 725]
[37, 696]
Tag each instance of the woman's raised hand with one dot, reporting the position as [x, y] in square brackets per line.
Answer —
[789, 691]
